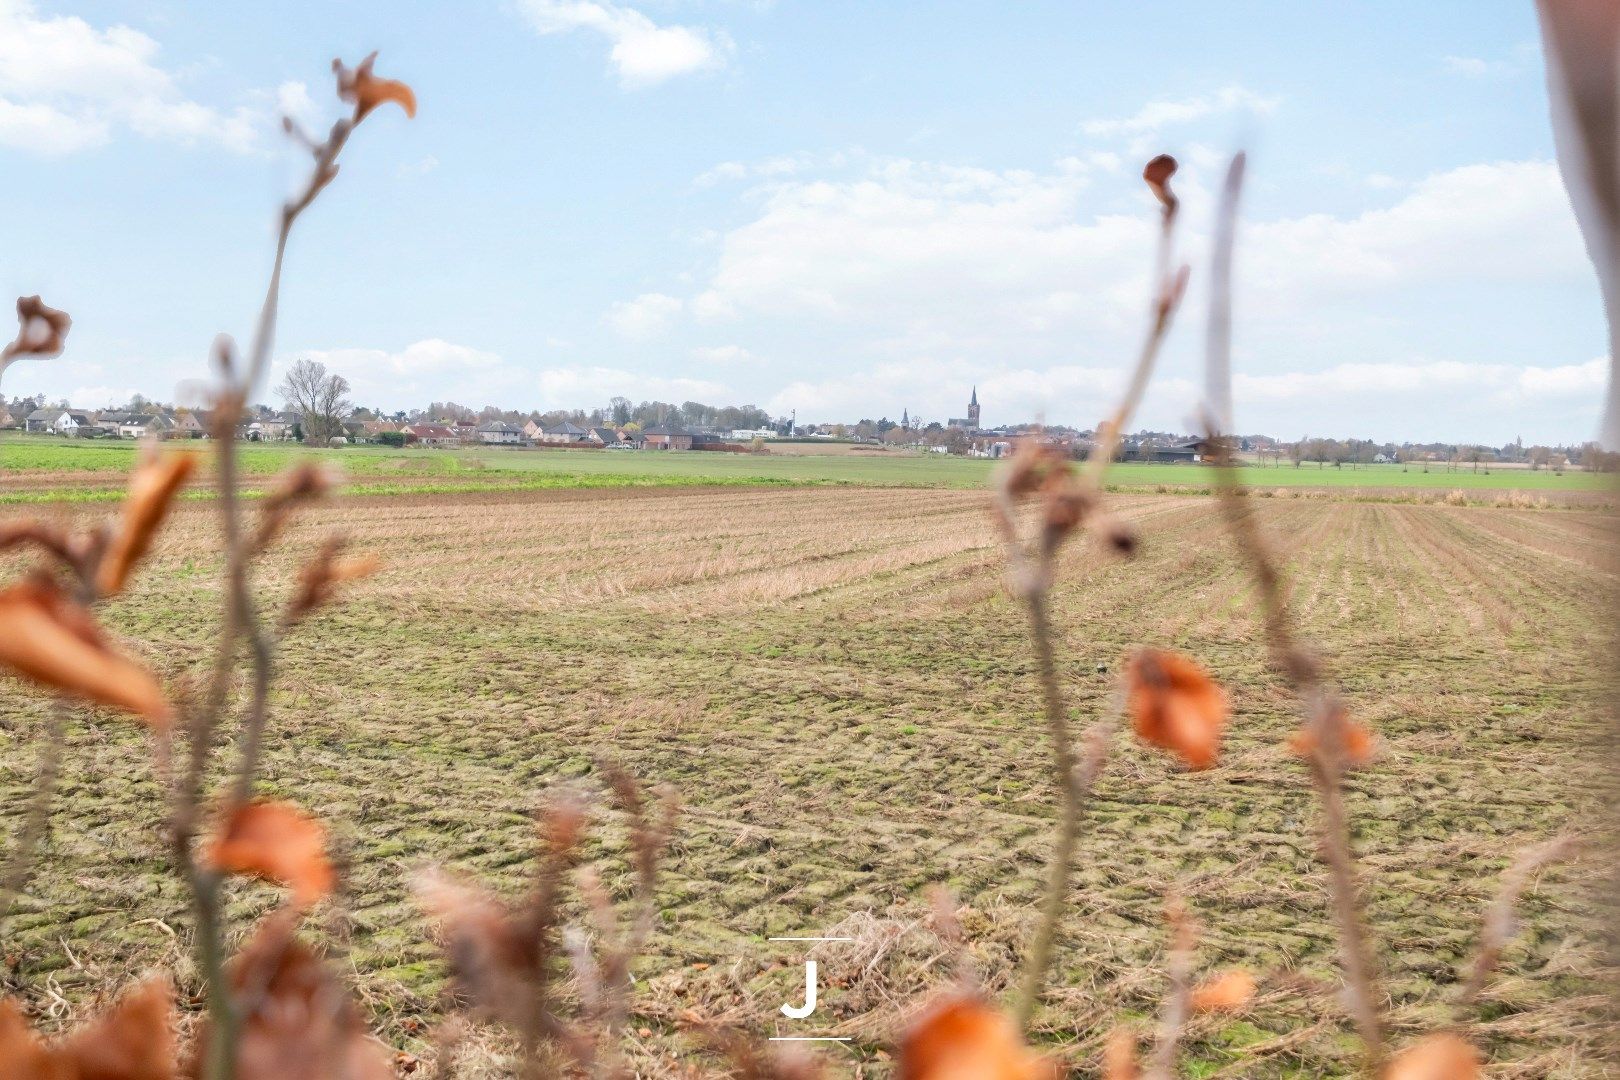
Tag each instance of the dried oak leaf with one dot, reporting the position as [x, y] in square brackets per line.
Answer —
[1175, 705]
[1436, 1057]
[297, 1021]
[151, 492]
[278, 841]
[367, 91]
[1227, 992]
[47, 637]
[963, 1037]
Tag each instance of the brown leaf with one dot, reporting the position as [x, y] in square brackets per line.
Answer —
[562, 821]
[49, 638]
[132, 1041]
[1436, 1057]
[297, 1021]
[492, 953]
[48, 537]
[965, 1038]
[151, 492]
[367, 91]
[319, 579]
[304, 481]
[276, 840]
[1227, 992]
[41, 330]
[1175, 705]
[1031, 469]
[1119, 1056]
[1157, 173]
[24, 1055]
[1359, 744]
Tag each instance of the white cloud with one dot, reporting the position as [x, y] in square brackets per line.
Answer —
[1522, 57]
[293, 100]
[66, 86]
[642, 52]
[1429, 399]
[420, 167]
[1507, 383]
[1158, 115]
[903, 284]
[421, 357]
[586, 386]
[1465, 65]
[47, 131]
[929, 254]
[778, 166]
[100, 397]
[917, 248]
[425, 366]
[1474, 67]
[722, 354]
[645, 317]
[1500, 221]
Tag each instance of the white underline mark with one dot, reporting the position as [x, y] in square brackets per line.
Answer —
[810, 1038]
[810, 939]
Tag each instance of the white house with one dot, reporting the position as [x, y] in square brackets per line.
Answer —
[138, 426]
[744, 434]
[69, 423]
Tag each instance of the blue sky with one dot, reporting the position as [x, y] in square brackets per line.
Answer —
[847, 209]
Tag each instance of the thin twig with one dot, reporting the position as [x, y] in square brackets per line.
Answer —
[1323, 717]
[241, 622]
[37, 817]
[1498, 926]
[1031, 572]
[36, 820]
[1178, 1003]
[1057, 886]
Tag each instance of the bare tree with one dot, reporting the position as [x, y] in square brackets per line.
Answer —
[320, 397]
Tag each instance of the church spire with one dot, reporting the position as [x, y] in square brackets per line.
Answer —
[974, 400]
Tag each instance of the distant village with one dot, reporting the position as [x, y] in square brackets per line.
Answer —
[693, 426]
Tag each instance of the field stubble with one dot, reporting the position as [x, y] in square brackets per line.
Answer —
[843, 693]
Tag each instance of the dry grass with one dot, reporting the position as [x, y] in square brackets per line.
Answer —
[839, 686]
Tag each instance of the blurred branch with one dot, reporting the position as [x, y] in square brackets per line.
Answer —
[1498, 926]
[1325, 722]
[1069, 502]
[241, 618]
[1582, 43]
[36, 819]
[82, 561]
[1178, 1004]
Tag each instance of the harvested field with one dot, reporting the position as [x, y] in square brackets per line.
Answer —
[843, 693]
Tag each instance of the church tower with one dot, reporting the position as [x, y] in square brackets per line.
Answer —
[973, 409]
